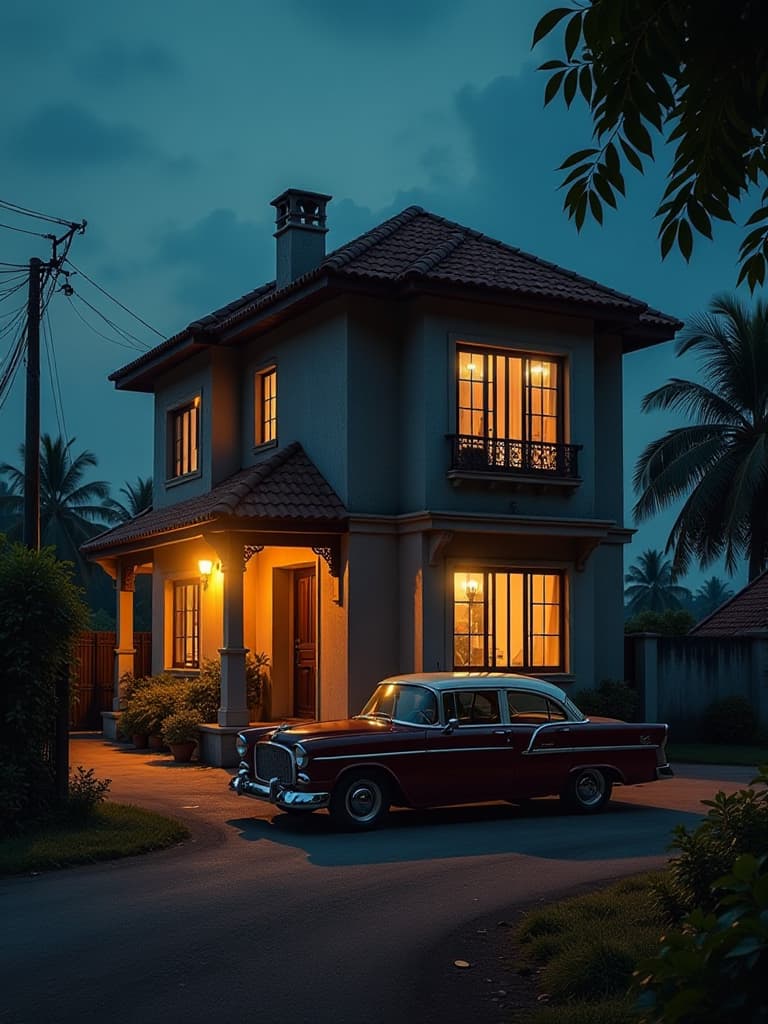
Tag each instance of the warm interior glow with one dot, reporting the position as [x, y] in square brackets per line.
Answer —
[205, 565]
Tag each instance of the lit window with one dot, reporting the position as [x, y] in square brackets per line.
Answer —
[266, 406]
[506, 620]
[186, 624]
[509, 408]
[185, 439]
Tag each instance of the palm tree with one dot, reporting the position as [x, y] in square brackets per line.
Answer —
[652, 585]
[719, 463]
[710, 595]
[69, 514]
[138, 497]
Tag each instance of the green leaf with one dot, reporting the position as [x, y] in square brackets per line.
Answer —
[638, 135]
[552, 86]
[632, 156]
[758, 215]
[548, 22]
[569, 86]
[685, 240]
[572, 35]
[576, 158]
[585, 83]
[699, 218]
[577, 172]
[605, 190]
[552, 65]
[596, 207]
[580, 212]
[668, 238]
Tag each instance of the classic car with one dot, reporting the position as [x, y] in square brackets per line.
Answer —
[425, 740]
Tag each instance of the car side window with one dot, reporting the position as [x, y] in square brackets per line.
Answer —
[473, 707]
[527, 707]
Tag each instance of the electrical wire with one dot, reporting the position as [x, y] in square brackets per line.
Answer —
[116, 301]
[53, 375]
[100, 334]
[23, 231]
[125, 334]
[14, 360]
[25, 212]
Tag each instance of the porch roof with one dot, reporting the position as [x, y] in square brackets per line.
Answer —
[287, 487]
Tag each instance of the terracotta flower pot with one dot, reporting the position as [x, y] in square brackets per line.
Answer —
[183, 751]
[139, 740]
[156, 743]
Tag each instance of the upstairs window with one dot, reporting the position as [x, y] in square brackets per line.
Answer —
[266, 406]
[186, 624]
[511, 397]
[508, 620]
[185, 439]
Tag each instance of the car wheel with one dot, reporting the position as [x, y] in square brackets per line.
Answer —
[360, 801]
[588, 791]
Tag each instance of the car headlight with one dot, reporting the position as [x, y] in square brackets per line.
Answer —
[241, 745]
[302, 757]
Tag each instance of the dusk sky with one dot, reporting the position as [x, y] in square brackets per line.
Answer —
[170, 126]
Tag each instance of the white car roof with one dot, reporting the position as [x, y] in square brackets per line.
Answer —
[455, 680]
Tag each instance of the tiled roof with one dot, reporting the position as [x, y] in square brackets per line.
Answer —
[745, 612]
[416, 246]
[287, 487]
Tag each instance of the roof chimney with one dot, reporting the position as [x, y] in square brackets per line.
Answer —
[300, 233]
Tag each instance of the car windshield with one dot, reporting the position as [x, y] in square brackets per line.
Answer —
[402, 702]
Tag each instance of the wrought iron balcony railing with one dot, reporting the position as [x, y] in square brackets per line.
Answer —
[523, 458]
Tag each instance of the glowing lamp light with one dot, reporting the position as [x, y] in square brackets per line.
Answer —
[471, 588]
[205, 566]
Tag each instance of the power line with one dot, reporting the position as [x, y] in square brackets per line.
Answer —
[26, 212]
[53, 375]
[116, 301]
[23, 231]
[134, 345]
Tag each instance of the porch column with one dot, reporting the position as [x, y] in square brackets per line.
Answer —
[125, 650]
[233, 712]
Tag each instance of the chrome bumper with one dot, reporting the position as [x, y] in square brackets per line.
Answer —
[276, 792]
[663, 771]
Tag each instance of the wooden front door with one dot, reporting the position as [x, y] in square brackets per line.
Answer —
[304, 643]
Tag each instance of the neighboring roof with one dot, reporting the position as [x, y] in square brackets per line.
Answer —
[285, 487]
[417, 247]
[745, 612]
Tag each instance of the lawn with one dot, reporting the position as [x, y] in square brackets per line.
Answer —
[112, 831]
[717, 753]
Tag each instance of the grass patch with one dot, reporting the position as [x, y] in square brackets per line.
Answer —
[717, 753]
[586, 949]
[112, 831]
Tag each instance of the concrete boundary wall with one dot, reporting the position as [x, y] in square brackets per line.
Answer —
[679, 676]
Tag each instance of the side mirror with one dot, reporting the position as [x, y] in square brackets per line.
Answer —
[453, 723]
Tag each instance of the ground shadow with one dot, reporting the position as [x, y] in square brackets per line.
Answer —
[539, 829]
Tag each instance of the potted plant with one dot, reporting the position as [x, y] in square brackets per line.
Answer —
[134, 724]
[258, 686]
[180, 731]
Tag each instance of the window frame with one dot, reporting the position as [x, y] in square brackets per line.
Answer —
[185, 639]
[264, 426]
[191, 452]
[491, 352]
[488, 573]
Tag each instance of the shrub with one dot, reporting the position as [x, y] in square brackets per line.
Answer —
[41, 614]
[182, 726]
[673, 622]
[86, 792]
[205, 691]
[730, 720]
[711, 969]
[610, 699]
[735, 824]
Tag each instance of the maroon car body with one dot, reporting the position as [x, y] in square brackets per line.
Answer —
[425, 740]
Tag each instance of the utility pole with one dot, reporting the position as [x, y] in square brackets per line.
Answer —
[32, 437]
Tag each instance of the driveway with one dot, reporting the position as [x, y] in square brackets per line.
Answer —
[262, 915]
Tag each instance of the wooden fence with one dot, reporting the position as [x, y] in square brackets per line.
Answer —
[92, 678]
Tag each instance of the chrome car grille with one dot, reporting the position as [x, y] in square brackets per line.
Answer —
[274, 761]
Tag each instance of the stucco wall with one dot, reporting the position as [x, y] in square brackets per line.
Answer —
[680, 676]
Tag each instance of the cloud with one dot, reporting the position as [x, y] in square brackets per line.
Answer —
[115, 63]
[371, 19]
[71, 136]
[216, 259]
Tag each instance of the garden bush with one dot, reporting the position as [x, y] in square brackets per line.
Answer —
[86, 792]
[610, 699]
[41, 615]
[710, 970]
[672, 622]
[729, 720]
[735, 824]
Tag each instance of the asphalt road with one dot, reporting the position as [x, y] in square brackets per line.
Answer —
[263, 917]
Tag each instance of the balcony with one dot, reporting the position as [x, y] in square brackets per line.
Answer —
[519, 463]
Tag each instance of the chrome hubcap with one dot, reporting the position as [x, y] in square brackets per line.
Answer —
[364, 801]
[590, 788]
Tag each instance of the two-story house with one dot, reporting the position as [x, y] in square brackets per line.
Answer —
[404, 455]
